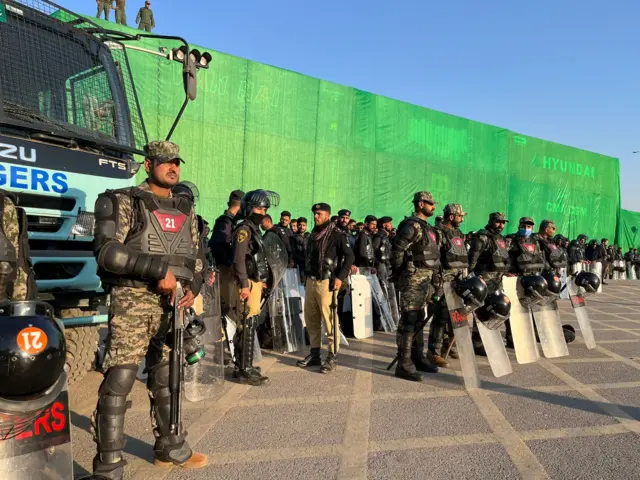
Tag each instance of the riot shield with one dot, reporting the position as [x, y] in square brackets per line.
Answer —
[277, 258]
[631, 271]
[462, 331]
[496, 350]
[596, 268]
[285, 312]
[361, 307]
[35, 434]
[379, 299]
[524, 337]
[392, 297]
[580, 309]
[547, 320]
[564, 292]
[204, 379]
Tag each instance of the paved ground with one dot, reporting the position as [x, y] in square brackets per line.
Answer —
[577, 417]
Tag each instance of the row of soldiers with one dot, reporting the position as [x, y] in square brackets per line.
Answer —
[149, 244]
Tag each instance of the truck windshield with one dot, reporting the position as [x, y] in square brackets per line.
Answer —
[60, 79]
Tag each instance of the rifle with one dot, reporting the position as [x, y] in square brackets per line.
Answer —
[176, 364]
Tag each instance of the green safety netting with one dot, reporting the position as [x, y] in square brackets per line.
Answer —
[628, 234]
[258, 126]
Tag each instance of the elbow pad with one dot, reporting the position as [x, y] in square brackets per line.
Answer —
[116, 258]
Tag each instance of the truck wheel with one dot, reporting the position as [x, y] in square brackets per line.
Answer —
[82, 345]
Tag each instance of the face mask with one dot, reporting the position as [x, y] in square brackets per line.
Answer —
[256, 218]
[524, 232]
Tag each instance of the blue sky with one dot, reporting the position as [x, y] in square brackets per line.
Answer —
[563, 70]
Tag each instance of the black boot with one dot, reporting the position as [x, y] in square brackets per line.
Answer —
[311, 360]
[168, 447]
[405, 367]
[330, 364]
[108, 421]
[417, 354]
[244, 342]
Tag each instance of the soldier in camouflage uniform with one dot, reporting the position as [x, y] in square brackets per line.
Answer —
[16, 276]
[145, 18]
[146, 240]
[454, 259]
[104, 6]
[414, 260]
[489, 259]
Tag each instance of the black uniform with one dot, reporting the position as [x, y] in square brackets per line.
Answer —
[287, 237]
[364, 249]
[221, 239]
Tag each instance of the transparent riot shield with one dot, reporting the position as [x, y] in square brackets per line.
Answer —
[462, 332]
[564, 292]
[285, 312]
[596, 268]
[204, 379]
[361, 307]
[580, 309]
[392, 296]
[40, 444]
[379, 299]
[277, 258]
[631, 271]
[496, 350]
[547, 320]
[522, 331]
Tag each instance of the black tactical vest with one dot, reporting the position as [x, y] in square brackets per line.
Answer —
[163, 227]
[530, 258]
[368, 249]
[455, 255]
[424, 252]
[384, 251]
[496, 257]
[256, 260]
[554, 255]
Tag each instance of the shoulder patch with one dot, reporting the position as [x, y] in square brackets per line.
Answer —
[242, 235]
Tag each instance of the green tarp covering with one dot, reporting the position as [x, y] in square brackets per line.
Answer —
[257, 126]
[628, 235]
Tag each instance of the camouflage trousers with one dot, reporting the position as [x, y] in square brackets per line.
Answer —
[441, 321]
[415, 290]
[138, 327]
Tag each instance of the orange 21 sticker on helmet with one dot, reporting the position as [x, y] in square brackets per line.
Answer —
[32, 340]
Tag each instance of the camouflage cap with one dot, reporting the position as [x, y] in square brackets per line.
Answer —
[163, 151]
[547, 223]
[527, 220]
[454, 209]
[497, 217]
[424, 197]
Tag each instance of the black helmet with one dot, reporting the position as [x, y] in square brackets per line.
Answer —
[32, 361]
[259, 199]
[589, 281]
[187, 190]
[569, 333]
[495, 310]
[472, 291]
[534, 288]
[554, 284]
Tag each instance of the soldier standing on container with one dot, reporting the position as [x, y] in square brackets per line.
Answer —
[121, 12]
[145, 18]
[133, 225]
[328, 261]
[104, 6]
[415, 258]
